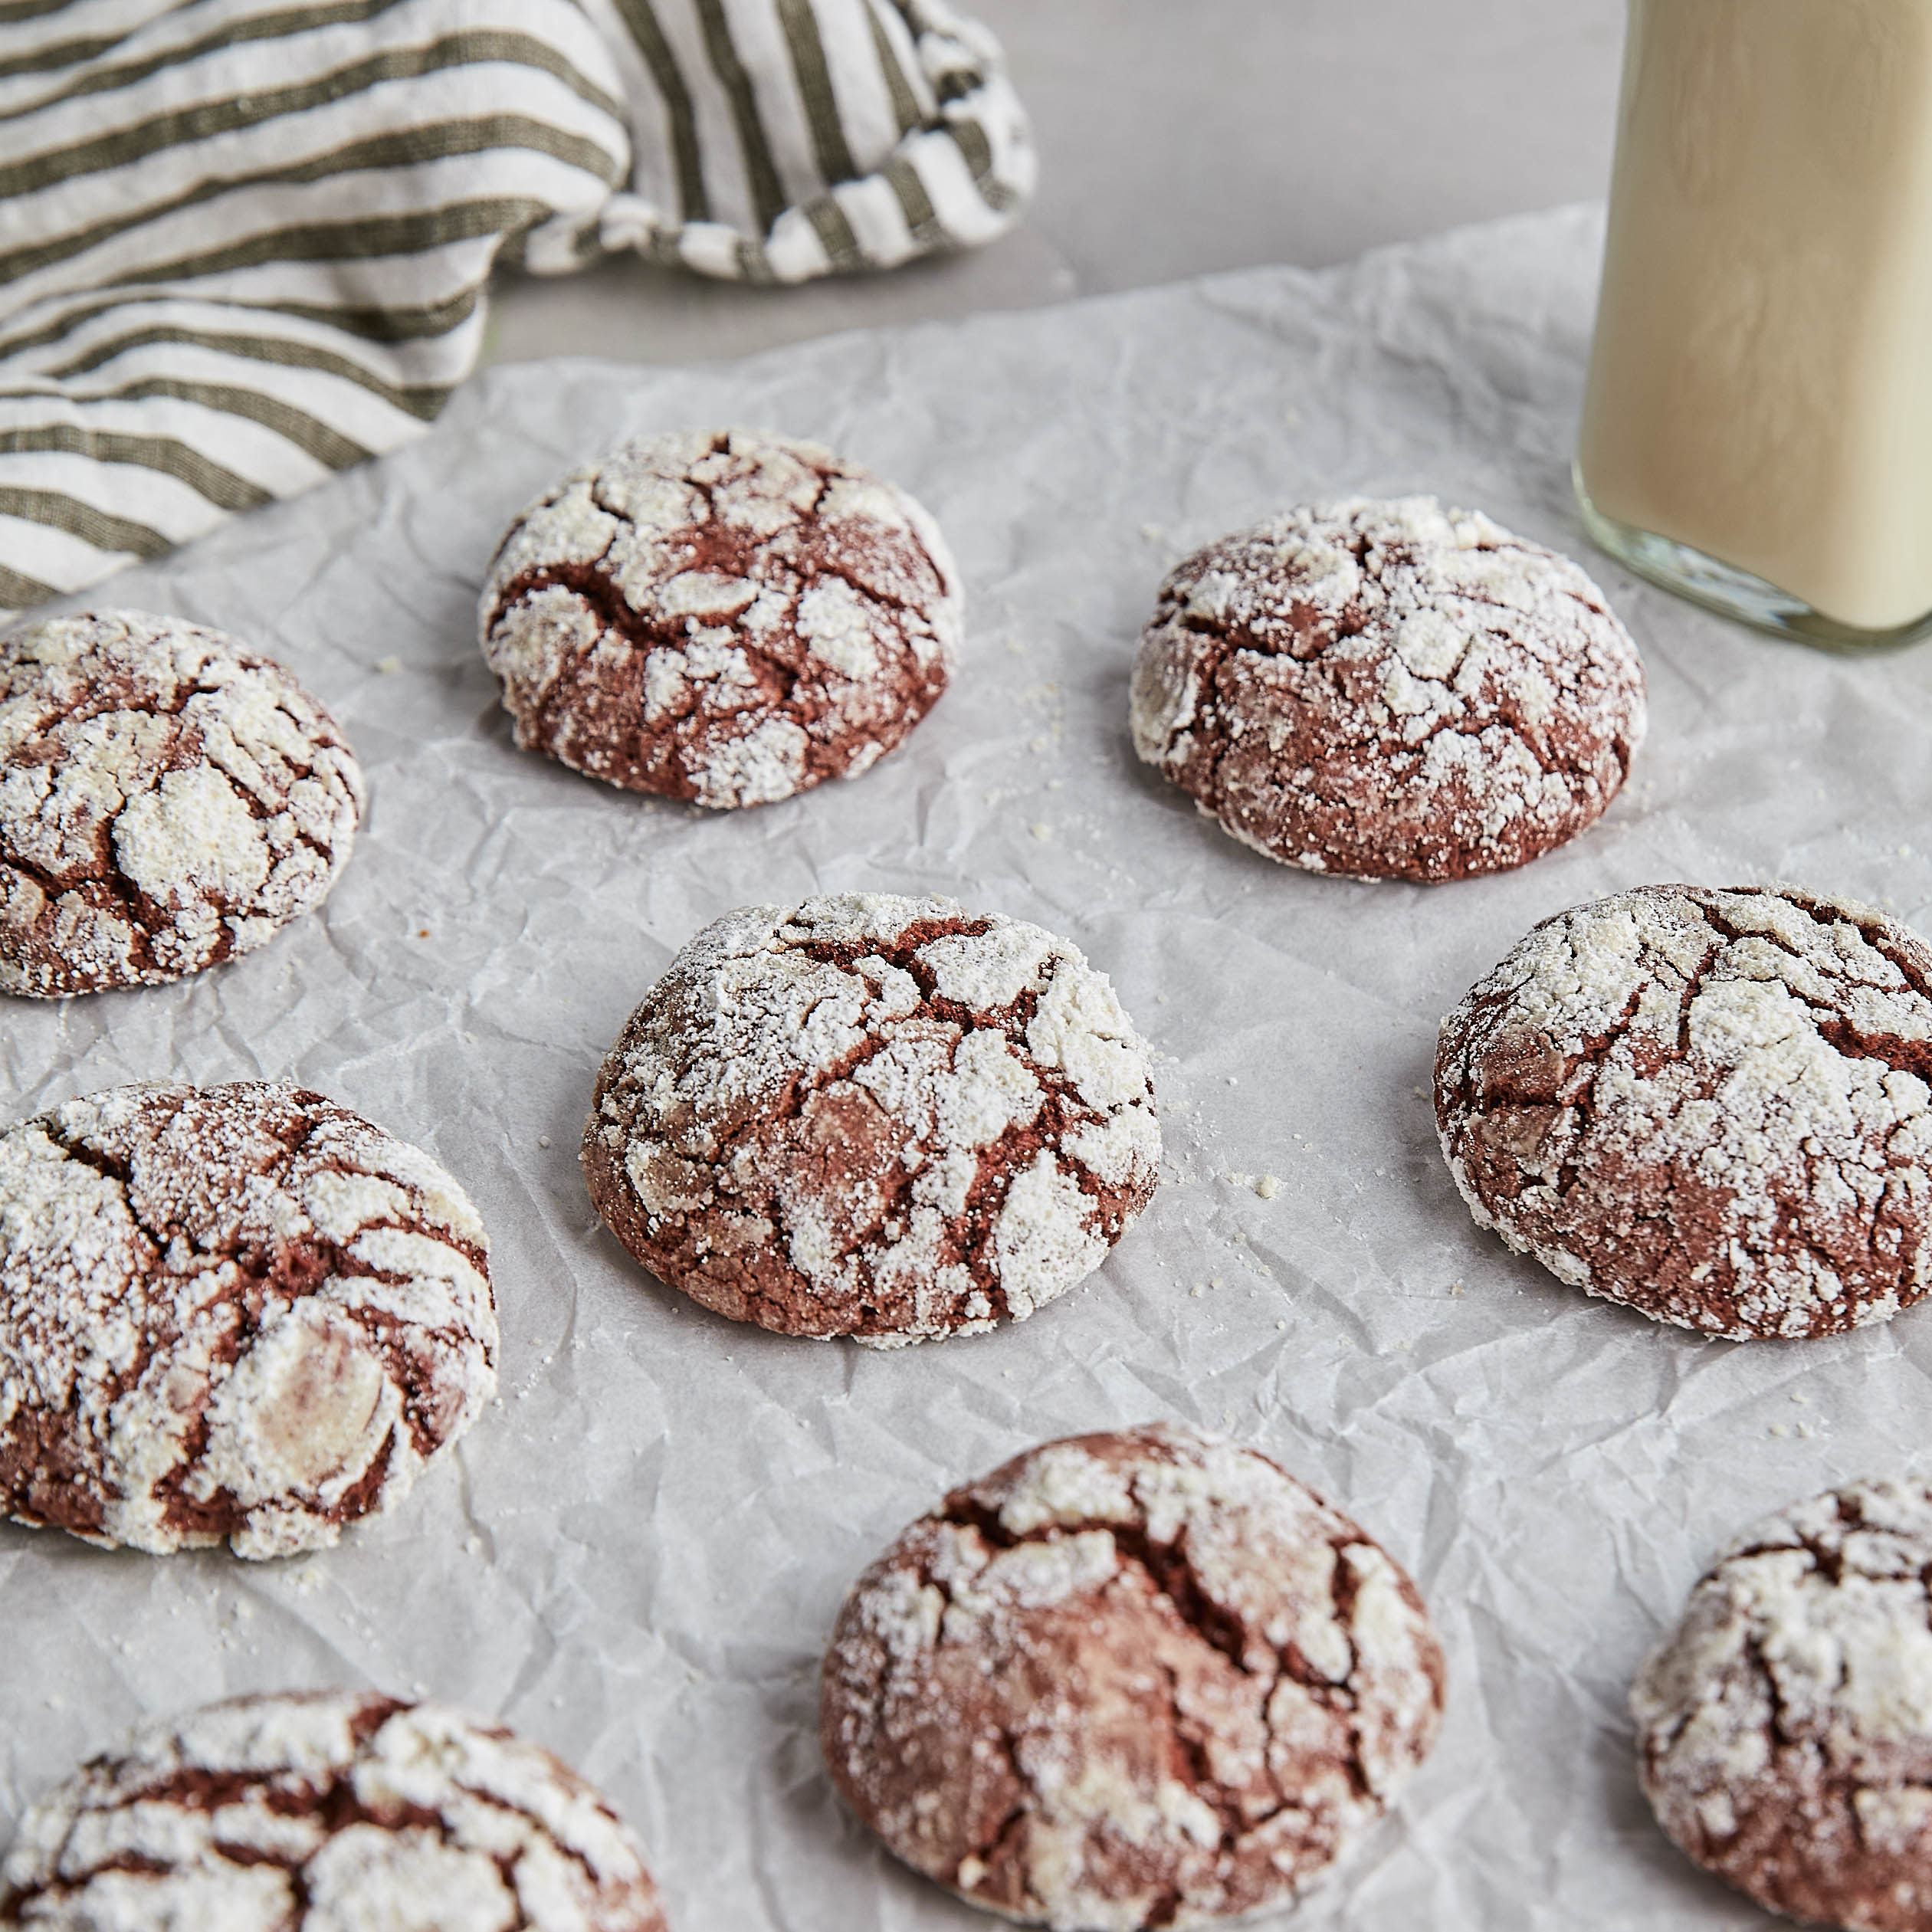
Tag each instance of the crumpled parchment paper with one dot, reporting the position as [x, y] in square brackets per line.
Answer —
[635, 1558]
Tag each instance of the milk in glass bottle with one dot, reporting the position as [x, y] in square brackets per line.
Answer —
[1757, 427]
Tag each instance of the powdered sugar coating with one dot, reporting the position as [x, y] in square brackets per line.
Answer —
[1711, 1105]
[721, 616]
[1784, 1728]
[168, 799]
[873, 1116]
[1134, 1679]
[236, 1311]
[1388, 690]
[329, 1811]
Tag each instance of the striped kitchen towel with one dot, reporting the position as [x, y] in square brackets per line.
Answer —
[245, 243]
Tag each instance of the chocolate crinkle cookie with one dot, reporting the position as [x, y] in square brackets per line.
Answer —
[1710, 1105]
[168, 799]
[326, 1811]
[1134, 1679]
[721, 617]
[1784, 1730]
[235, 1311]
[1388, 690]
[869, 1116]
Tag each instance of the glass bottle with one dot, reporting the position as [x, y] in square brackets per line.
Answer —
[1757, 425]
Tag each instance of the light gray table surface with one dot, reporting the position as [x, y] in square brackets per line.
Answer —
[1178, 139]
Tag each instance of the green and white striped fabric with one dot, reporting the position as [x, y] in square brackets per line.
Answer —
[245, 243]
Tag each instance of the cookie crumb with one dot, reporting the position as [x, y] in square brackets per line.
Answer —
[387, 667]
[1269, 1186]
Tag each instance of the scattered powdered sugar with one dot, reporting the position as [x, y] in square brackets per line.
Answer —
[238, 1311]
[1389, 689]
[168, 799]
[873, 1116]
[1714, 1105]
[330, 1811]
[723, 617]
[1128, 1679]
[1784, 1727]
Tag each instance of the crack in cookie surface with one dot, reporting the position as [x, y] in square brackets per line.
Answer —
[1141, 1678]
[1715, 1106]
[1784, 1727]
[1388, 690]
[329, 1811]
[236, 1312]
[873, 1116]
[168, 799]
[724, 618]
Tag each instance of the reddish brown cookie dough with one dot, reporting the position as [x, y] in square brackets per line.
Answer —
[328, 1812]
[869, 1116]
[167, 798]
[235, 1311]
[1141, 1679]
[721, 617]
[1784, 1730]
[1713, 1106]
[1388, 690]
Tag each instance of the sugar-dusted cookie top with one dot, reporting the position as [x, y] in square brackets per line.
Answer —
[1388, 690]
[168, 798]
[872, 1116]
[237, 1312]
[1784, 1728]
[1714, 1105]
[1141, 1678]
[720, 616]
[339, 1811]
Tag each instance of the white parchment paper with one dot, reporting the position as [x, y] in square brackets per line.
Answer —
[635, 1558]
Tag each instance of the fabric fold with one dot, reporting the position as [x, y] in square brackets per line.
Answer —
[244, 244]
